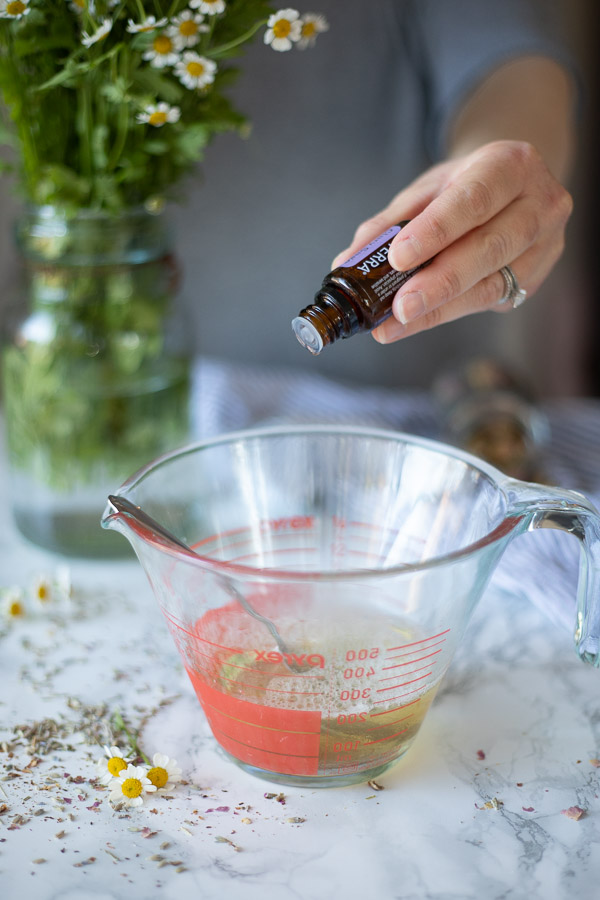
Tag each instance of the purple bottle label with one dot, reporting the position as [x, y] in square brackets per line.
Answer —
[374, 253]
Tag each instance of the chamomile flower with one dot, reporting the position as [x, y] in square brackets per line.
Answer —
[210, 7]
[41, 591]
[98, 35]
[111, 764]
[163, 52]
[164, 773]
[311, 25]
[187, 28]
[284, 29]
[195, 71]
[159, 115]
[13, 9]
[130, 786]
[12, 603]
[150, 23]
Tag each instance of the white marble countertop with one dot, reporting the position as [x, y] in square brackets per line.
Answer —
[476, 809]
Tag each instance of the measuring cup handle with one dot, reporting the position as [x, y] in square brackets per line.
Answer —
[543, 507]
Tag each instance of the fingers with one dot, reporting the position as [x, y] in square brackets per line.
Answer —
[526, 233]
[470, 217]
[468, 260]
[480, 187]
[530, 269]
[485, 295]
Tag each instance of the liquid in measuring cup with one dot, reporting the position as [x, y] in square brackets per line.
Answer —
[335, 711]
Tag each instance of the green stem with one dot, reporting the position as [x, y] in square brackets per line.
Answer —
[122, 120]
[231, 45]
[120, 725]
[21, 117]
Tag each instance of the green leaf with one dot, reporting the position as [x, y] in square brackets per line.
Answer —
[191, 142]
[117, 91]
[151, 82]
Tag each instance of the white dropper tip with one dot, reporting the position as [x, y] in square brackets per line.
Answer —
[308, 335]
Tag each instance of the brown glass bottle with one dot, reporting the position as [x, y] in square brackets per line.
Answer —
[355, 297]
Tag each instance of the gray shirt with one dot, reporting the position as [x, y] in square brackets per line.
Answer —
[337, 130]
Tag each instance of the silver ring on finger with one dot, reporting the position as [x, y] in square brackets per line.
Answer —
[513, 294]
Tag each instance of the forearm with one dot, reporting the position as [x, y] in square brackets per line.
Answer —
[528, 99]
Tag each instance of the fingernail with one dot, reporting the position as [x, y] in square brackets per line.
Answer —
[404, 254]
[409, 306]
[389, 331]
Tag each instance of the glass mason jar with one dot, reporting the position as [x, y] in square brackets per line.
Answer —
[95, 381]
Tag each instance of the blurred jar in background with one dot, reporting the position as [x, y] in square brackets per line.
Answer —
[486, 410]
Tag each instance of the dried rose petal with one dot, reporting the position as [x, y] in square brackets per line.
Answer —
[595, 763]
[480, 754]
[573, 812]
[527, 809]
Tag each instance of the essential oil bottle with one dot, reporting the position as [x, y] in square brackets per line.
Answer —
[355, 297]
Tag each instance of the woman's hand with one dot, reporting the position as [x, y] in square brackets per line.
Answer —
[497, 206]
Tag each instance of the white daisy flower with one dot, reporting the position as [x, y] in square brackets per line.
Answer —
[88, 39]
[163, 52]
[187, 28]
[195, 71]
[41, 591]
[13, 9]
[159, 114]
[130, 786]
[150, 23]
[284, 29]
[164, 773]
[78, 5]
[210, 7]
[111, 764]
[311, 25]
[12, 603]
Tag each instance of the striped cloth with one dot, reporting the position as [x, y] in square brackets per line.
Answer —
[541, 567]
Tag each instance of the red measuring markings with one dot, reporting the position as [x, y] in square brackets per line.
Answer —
[279, 740]
[386, 712]
[418, 643]
[410, 662]
[387, 738]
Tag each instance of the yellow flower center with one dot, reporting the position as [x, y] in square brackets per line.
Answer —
[116, 765]
[158, 776]
[308, 30]
[15, 609]
[195, 69]
[188, 28]
[163, 44]
[132, 787]
[42, 592]
[16, 8]
[282, 28]
[157, 118]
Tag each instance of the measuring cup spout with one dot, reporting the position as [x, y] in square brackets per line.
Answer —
[539, 506]
[121, 515]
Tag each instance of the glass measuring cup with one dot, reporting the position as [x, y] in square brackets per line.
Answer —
[365, 550]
